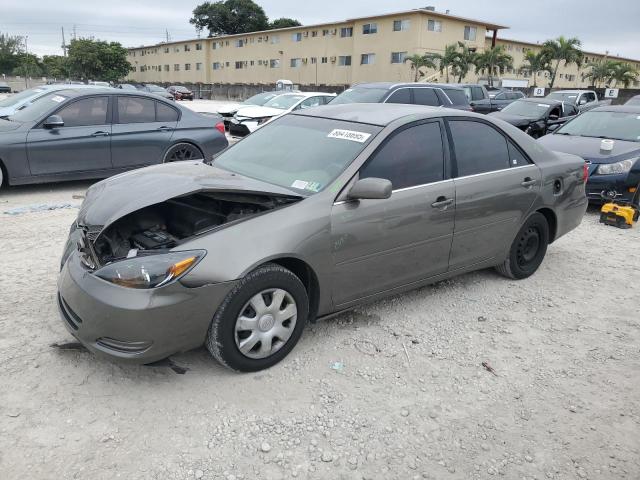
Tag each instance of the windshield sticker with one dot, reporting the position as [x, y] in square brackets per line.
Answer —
[351, 135]
[57, 98]
[300, 184]
[313, 187]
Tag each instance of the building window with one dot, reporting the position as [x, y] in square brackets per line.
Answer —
[314, 60]
[214, 45]
[198, 46]
[166, 49]
[176, 67]
[401, 25]
[217, 65]
[274, 63]
[369, 28]
[296, 62]
[187, 66]
[434, 25]
[239, 65]
[187, 48]
[398, 57]
[135, 69]
[275, 39]
[470, 33]
[314, 33]
[368, 59]
[344, 60]
[166, 68]
[239, 43]
[296, 37]
[324, 60]
[198, 66]
[346, 32]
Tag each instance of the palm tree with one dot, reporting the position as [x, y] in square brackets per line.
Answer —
[567, 50]
[600, 71]
[535, 63]
[463, 61]
[421, 61]
[493, 61]
[623, 73]
[447, 59]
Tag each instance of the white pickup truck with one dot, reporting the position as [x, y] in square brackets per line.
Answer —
[583, 99]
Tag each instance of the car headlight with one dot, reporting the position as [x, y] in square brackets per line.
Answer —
[150, 271]
[615, 168]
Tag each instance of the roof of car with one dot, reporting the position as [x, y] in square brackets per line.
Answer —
[390, 85]
[547, 101]
[381, 114]
[571, 91]
[73, 92]
[617, 108]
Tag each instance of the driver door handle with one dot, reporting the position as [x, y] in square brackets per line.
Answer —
[528, 182]
[442, 202]
[100, 134]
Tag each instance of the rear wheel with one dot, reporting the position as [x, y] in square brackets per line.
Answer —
[181, 152]
[528, 249]
[260, 320]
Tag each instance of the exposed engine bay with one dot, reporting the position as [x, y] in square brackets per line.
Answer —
[165, 225]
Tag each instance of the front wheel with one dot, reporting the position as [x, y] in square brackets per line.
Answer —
[260, 320]
[528, 249]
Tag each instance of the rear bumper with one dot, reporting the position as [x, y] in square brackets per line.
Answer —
[136, 326]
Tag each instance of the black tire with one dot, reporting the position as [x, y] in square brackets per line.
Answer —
[221, 337]
[528, 249]
[182, 151]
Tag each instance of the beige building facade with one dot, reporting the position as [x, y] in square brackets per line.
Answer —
[366, 49]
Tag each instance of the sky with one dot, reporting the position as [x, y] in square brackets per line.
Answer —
[601, 26]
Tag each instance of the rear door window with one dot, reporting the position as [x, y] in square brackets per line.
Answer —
[136, 110]
[478, 147]
[400, 96]
[425, 96]
[165, 113]
[516, 158]
[457, 97]
[477, 93]
[88, 111]
[413, 156]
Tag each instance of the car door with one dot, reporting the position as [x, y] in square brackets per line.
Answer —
[495, 184]
[425, 96]
[142, 130]
[310, 103]
[401, 95]
[378, 245]
[81, 145]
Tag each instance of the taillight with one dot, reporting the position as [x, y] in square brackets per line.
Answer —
[220, 127]
[585, 173]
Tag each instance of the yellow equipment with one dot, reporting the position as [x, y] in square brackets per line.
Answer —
[621, 216]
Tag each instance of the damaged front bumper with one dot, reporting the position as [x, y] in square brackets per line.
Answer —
[133, 325]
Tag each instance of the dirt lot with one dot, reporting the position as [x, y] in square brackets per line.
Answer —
[395, 390]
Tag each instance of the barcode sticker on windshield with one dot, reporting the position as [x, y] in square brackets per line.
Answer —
[351, 135]
[57, 98]
[300, 184]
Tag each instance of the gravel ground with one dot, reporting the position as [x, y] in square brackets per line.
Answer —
[395, 390]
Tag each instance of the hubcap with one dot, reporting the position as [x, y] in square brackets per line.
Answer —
[266, 322]
[528, 246]
[185, 152]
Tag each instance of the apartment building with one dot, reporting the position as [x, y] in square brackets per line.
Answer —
[364, 49]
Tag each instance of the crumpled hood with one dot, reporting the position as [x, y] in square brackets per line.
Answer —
[229, 108]
[260, 112]
[514, 120]
[115, 197]
[589, 148]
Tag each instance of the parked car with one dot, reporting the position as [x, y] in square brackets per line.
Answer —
[322, 210]
[156, 90]
[583, 99]
[483, 101]
[432, 94]
[22, 100]
[249, 119]
[128, 86]
[614, 170]
[180, 93]
[536, 116]
[4, 87]
[635, 100]
[98, 83]
[228, 110]
[79, 133]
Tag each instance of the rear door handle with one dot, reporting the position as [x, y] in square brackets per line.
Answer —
[165, 129]
[100, 134]
[442, 202]
[528, 182]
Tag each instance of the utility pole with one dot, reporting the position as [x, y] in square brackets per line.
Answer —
[74, 31]
[64, 44]
[167, 34]
[26, 51]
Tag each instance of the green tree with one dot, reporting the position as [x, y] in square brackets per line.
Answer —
[463, 62]
[418, 62]
[447, 59]
[567, 50]
[28, 66]
[228, 17]
[623, 73]
[284, 23]
[535, 63]
[599, 72]
[55, 66]
[97, 60]
[493, 61]
[11, 46]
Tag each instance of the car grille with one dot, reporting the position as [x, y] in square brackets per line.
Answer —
[69, 315]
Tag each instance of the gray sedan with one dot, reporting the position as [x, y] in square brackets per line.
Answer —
[320, 211]
[75, 134]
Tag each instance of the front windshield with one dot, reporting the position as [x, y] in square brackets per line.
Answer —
[39, 106]
[284, 102]
[261, 98]
[19, 97]
[563, 97]
[526, 109]
[360, 95]
[612, 125]
[304, 154]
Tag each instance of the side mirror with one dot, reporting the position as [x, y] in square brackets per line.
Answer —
[370, 189]
[54, 121]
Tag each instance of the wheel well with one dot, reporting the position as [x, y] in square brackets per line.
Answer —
[552, 221]
[183, 141]
[308, 278]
